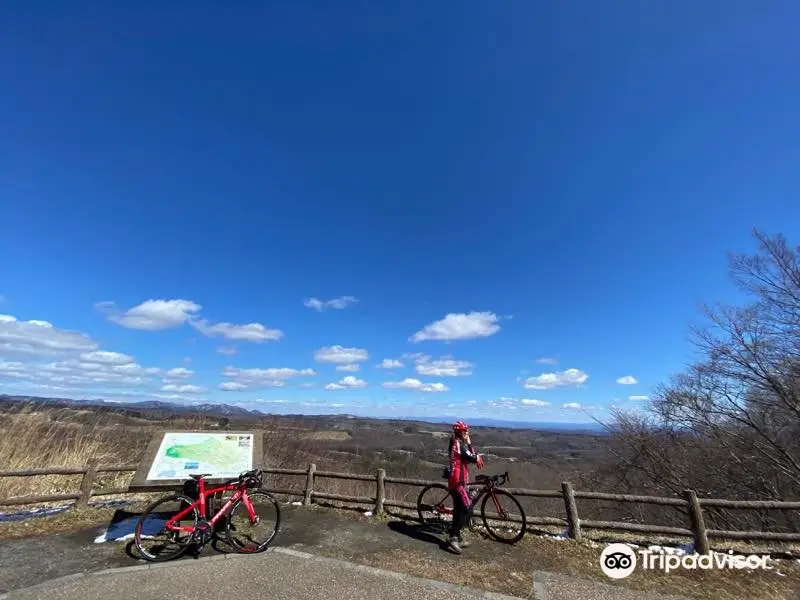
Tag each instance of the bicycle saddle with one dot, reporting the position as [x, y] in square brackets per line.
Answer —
[200, 476]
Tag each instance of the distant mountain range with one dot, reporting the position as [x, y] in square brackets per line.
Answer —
[210, 409]
[541, 426]
[226, 410]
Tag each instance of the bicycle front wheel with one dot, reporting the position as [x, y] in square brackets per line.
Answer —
[435, 507]
[253, 533]
[503, 516]
[151, 528]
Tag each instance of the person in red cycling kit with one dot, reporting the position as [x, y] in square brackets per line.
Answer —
[461, 455]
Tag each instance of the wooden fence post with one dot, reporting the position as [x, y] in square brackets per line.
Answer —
[573, 522]
[86, 483]
[309, 484]
[698, 523]
[380, 496]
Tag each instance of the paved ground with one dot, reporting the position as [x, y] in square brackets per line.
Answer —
[294, 576]
[344, 547]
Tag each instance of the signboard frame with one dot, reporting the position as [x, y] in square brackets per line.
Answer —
[140, 483]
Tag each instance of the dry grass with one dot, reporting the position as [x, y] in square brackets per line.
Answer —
[326, 435]
[32, 440]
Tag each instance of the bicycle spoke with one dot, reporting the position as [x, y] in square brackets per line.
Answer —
[154, 541]
[503, 516]
[253, 533]
[435, 507]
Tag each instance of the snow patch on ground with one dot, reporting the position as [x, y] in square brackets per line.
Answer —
[54, 510]
[123, 530]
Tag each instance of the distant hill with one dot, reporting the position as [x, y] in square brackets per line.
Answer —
[209, 409]
[594, 428]
[226, 410]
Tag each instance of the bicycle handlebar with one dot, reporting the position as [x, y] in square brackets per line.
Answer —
[495, 479]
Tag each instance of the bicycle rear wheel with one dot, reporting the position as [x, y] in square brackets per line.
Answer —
[503, 516]
[151, 527]
[247, 536]
[435, 507]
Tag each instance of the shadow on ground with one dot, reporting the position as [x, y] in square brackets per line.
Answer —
[418, 531]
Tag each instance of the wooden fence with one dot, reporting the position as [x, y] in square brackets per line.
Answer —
[690, 503]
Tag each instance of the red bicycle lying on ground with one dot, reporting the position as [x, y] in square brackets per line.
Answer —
[185, 520]
[504, 523]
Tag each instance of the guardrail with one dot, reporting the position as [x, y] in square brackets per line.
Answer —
[690, 502]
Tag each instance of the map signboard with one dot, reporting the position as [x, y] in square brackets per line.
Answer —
[223, 455]
[175, 455]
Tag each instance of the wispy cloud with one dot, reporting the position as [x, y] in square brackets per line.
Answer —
[335, 303]
[416, 385]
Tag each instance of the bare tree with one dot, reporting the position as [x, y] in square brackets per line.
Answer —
[730, 424]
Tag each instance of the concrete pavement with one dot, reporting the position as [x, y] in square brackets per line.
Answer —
[312, 541]
[278, 573]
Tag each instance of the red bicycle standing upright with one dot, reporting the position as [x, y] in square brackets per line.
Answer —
[502, 514]
[177, 521]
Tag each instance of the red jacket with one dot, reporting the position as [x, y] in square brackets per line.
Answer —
[461, 455]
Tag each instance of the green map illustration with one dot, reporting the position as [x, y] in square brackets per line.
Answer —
[223, 455]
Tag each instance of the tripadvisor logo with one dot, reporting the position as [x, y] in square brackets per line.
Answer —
[619, 561]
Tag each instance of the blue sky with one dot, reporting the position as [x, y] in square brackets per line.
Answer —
[521, 204]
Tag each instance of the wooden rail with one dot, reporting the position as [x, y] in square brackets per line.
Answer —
[690, 503]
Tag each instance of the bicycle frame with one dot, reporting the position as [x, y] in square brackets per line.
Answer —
[488, 488]
[239, 493]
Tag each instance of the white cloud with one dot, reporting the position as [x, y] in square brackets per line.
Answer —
[533, 403]
[639, 398]
[183, 389]
[272, 373]
[107, 358]
[459, 326]
[152, 315]
[572, 406]
[178, 373]
[78, 375]
[546, 360]
[340, 355]
[346, 383]
[135, 368]
[241, 379]
[251, 332]
[445, 366]
[503, 402]
[627, 380]
[352, 368]
[235, 386]
[472, 403]
[390, 363]
[549, 381]
[227, 350]
[415, 384]
[40, 338]
[336, 303]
